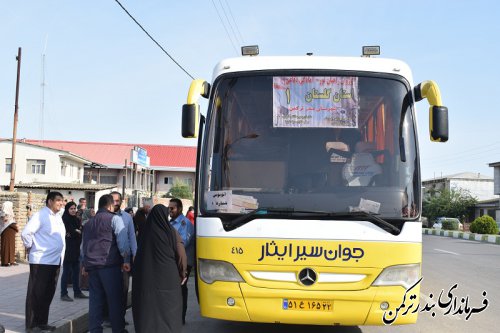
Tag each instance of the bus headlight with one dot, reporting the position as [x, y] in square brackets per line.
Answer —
[215, 270]
[399, 275]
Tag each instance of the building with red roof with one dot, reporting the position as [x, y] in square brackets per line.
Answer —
[113, 155]
[167, 163]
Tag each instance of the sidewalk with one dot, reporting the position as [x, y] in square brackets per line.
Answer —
[67, 316]
[493, 239]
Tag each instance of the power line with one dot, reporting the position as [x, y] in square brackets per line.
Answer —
[229, 22]
[470, 157]
[161, 47]
[464, 154]
[469, 161]
[461, 161]
[235, 24]
[227, 32]
[477, 155]
[462, 164]
[465, 151]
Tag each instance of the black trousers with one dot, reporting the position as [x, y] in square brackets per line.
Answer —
[41, 289]
[126, 284]
[184, 289]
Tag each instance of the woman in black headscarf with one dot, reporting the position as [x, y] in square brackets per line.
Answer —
[71, 264]
[139, 221]
[159, 270]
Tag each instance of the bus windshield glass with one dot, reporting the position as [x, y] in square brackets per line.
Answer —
[313, 143]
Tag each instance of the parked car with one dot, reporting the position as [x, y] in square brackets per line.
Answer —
[439, 222]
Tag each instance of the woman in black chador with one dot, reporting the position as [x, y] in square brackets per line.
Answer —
[71, 264]
[159, 270]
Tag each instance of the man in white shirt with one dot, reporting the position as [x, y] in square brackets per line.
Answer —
[44, 237]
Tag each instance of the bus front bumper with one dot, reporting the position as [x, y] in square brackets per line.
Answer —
[242, 302]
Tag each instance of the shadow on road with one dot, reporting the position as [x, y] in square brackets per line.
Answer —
[226, 326]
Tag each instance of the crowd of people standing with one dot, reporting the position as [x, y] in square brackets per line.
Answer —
[154, 246]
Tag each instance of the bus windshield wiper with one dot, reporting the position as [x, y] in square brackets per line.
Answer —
[285, 211]
[289, 211]
[371, 218]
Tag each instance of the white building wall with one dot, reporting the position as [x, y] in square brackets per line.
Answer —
[481, 189]
[174, 176]
[70, 171]
[52, 158]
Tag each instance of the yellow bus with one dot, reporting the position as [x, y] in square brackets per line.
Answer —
[308, 189]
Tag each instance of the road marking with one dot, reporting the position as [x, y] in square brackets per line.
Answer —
[13, 315]
[447, 252]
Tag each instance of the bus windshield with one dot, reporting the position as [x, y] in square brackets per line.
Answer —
[314, 143]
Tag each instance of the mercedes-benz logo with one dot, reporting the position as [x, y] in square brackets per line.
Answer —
[307, 276]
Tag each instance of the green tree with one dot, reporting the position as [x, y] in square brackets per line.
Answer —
[454, 203]
[180, 190]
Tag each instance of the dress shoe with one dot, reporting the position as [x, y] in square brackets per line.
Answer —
[37, 330]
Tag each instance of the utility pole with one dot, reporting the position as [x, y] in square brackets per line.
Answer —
[124, 181]
[14, 133]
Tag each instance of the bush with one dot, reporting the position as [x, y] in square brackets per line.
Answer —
[449, 224]
[180, 190]
[484, 225]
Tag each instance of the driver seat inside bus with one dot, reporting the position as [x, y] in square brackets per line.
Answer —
[362, 169]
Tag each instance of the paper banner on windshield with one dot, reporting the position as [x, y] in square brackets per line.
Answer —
[226, 201]
[314, 101]
[219, 200]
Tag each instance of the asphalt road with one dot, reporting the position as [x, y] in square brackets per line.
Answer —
[473, 266]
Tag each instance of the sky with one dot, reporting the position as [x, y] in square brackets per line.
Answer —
[106, 81]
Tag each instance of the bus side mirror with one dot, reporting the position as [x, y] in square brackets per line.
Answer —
[438, 126]
[191, 110]
[438, 114]
[190, 116]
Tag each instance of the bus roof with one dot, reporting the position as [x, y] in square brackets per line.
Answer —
[363, 64]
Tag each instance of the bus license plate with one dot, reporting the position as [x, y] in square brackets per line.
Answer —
[307, 305]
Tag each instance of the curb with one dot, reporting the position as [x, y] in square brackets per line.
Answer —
[77, 324]
[80, 322]
[492, 239]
